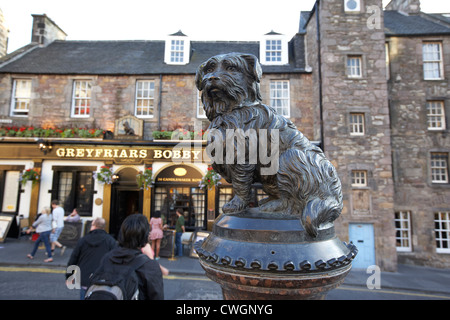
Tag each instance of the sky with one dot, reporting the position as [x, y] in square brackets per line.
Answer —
[245, 20]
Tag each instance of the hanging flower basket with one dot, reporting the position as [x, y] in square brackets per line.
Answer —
[210, 180]
[145, 179]
[104, 176]
[29, 175]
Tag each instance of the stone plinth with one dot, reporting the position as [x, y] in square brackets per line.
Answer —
[255, 255]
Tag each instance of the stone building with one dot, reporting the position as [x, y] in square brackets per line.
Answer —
[370, 86]
[3, 35]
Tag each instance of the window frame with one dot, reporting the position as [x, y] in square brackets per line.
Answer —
[284, 51]
[150, 98]
[441, 106]
[273, 94]
[359, 181]
[357, 128]
[434, 166]
[75, 98]
[350, 68]
[441, 222]
[13, 109]
[402, 229]
[439, 61]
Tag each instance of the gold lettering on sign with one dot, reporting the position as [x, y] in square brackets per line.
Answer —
[127, 153]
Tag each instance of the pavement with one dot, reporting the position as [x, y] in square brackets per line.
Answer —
[13, 253]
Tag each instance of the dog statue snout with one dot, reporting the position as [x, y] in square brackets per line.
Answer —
[213, 78]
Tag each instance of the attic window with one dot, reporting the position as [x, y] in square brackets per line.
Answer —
[274, 49]
[177, 49]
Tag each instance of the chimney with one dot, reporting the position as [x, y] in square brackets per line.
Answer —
[408, 7]
[3, 35]
[45, 30]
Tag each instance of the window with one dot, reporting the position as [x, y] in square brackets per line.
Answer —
[439, 167]
[432, 61]
[388, 62]
[436, 115]
[177, 49]
[442, 231]
[273, 49]
[354, 66]
[359, 178]
[74, 188]
[145, 98]
[403, 231]
[279, 97]
[20, 105]
[81, 100]
[356, 124]
[200, 111]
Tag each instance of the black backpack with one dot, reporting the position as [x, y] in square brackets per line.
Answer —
[116, 281]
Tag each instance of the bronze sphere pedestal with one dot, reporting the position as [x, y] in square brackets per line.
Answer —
[255, 255]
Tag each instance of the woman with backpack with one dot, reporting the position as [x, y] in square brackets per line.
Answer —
[127, 272]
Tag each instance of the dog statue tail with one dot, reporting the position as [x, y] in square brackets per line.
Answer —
[308, 178]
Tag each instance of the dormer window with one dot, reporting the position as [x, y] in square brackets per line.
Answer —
[177, 49]
[274, 49]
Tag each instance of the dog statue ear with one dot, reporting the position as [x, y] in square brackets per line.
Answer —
[254, 66]
[199, 77]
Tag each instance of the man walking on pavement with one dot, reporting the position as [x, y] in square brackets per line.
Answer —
[90, 250]
[179, 228]
[58, 226]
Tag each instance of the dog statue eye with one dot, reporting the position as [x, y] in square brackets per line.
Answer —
[209, 70]
[231, 68]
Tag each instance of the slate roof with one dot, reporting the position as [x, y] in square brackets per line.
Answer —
[397, 24]
[133, 57]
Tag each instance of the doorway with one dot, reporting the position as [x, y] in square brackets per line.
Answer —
[362, 236]
[126, 199]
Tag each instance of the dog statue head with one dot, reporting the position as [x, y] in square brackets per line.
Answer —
[229, 81]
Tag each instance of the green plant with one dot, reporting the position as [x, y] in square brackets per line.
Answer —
[210, 180]
[29, 175]
[145, 179]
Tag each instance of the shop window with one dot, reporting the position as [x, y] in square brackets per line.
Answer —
[191, 200]
[226, 193]
[74, 189]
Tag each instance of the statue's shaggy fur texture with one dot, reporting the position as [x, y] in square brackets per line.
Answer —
[305, 183]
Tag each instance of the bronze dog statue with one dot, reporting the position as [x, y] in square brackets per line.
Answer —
[305, 182]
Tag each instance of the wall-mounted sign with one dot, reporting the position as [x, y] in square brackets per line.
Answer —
[179, 174]
[127, 153]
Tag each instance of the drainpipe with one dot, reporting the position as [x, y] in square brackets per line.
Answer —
[319, 70]
[160, 102]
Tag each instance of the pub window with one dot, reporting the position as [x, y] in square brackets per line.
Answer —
[279, 97]
[145, 99]
[20, 105]
[74, 189]
[81, 100]
[10, 189]
[403, 231]
[191, 200]
[226, 193]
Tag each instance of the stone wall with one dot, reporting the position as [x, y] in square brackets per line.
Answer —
[344, 34]
[412, 143]
[114, 97]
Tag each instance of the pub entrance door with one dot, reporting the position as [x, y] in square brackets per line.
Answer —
[126, 199]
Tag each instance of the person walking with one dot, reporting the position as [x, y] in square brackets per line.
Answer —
[89, 251]
[133, 249]
[179, 228]
[58, 226]
[156, 233]
[43, 226]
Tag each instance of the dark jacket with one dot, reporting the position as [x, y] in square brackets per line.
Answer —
[151, 285]
[89, 252]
